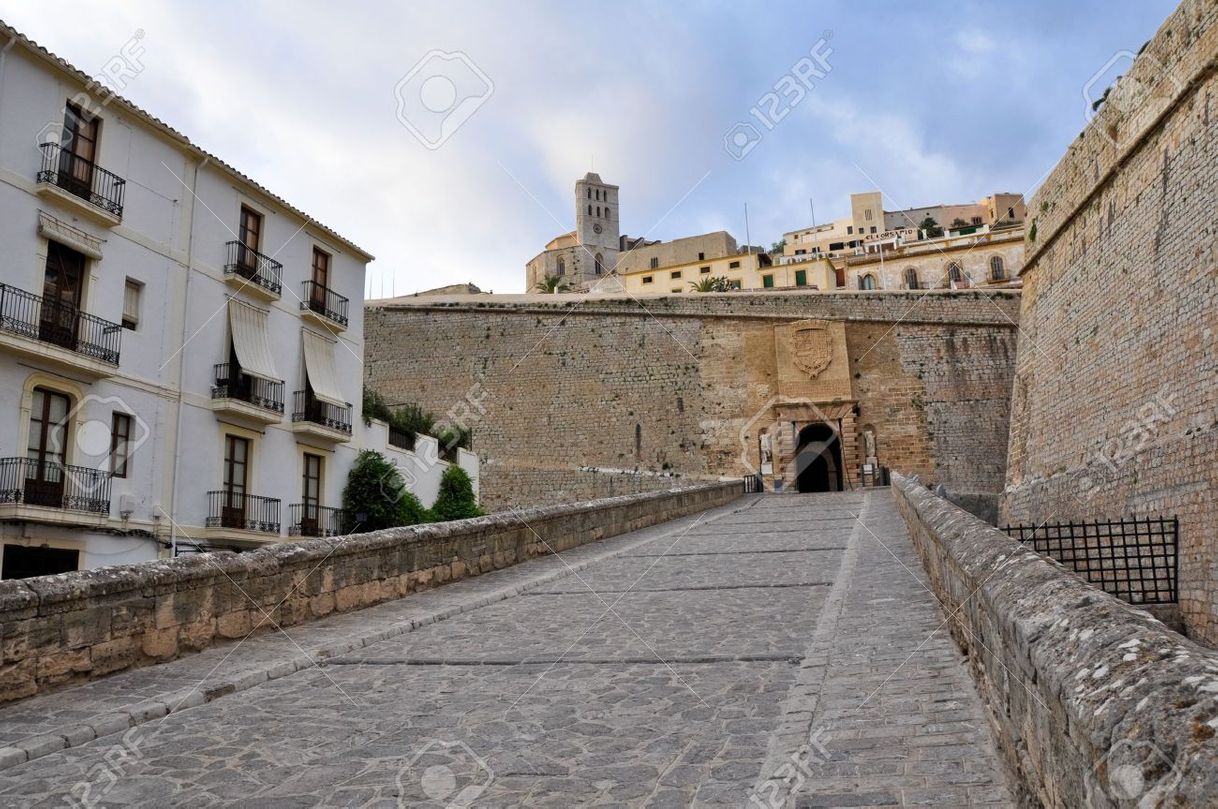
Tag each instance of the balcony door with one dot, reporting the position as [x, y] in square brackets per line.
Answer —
[44, 472]
[236, 470]
[310, 496]
[62, 282]
[79, 151]
[250, 235]
[321, 280]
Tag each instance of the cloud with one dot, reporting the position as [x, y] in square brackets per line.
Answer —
[645, 90]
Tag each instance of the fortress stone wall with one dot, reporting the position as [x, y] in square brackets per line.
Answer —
[576, 396]
[1115, 408]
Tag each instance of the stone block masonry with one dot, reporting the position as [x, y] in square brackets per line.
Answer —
[1115, 406]
[77, 626]
[676, 384]
[1093, 702]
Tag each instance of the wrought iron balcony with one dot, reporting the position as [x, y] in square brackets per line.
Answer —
[308, 408]
[60, 324]
[82, 178]
[52, 484]
[243, 512]
[254, 267]
[325, 302]
[312, 520]
[232, 384]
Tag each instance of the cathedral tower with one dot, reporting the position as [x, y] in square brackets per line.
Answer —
[597, 226]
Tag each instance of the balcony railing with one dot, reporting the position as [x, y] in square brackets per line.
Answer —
[325, 301]
[307, 407]
[82, 178]
[232, 384]
[52, 484]
[312, 520]
[254, 267]
[245, 512]
[59, 324]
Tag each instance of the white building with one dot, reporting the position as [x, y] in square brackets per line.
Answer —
[180, 349]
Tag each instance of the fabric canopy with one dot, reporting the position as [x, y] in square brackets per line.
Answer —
[252, 340]
[322, 368]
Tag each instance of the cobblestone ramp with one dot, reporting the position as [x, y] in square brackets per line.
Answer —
[686, 665]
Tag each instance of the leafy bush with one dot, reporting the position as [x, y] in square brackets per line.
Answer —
[450, 440]
[375, 406]
[413, 419]
[376, 497]
[456, 499]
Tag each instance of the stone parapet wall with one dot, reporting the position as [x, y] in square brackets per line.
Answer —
[1092, 701]
[975, 306]
[505, 486]
[1115, 409]
[78, 626]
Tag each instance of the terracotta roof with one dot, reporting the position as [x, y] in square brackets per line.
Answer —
[7, 32]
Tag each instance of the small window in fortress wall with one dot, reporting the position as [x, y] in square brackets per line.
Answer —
[676, 274]
[647, 279]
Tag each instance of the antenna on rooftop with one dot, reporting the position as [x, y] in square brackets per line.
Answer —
[748, 240]
[813, 207]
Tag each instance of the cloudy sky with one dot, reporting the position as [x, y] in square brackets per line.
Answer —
[928, 102]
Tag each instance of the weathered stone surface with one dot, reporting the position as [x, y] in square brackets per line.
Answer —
[1094, 702]
[74, 626]
[1115, 406]
[613, 395]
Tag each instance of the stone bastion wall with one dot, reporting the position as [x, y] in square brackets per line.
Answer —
[72, 627]
[576, 396]
[1115, 406]
[1092, 701]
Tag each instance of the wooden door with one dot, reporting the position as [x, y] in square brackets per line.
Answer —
[62, 283]
[44, 482]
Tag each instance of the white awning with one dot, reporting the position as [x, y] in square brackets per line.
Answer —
[252, 340]
[322, 368]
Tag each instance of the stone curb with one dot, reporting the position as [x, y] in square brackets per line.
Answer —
[96, 727]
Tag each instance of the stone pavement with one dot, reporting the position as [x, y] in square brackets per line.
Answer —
[777, 652]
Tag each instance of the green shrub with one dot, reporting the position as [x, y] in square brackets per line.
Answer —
[456, 499]
[451, 440]
[413, 419]
[376, 497]
[375, 406]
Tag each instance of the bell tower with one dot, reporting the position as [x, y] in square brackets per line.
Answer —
[597, 226]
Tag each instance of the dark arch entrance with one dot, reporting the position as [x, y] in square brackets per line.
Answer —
[818, 459]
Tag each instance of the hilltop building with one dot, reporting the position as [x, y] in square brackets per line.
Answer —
[588, 253]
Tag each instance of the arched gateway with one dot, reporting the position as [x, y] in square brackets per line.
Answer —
[818, 459]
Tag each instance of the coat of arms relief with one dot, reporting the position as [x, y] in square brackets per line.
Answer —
[811, 348]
